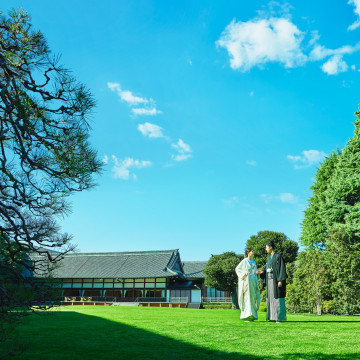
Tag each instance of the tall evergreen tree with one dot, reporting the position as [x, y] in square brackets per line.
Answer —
[314, 229]
[332, 221]
[342, 195]
[341, 214]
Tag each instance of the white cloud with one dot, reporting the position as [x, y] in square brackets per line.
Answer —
[258, 41]
[335, 65]
[320, 52]
[149, 105]
[105, 159]
[121, 168]
[184, 151]
[251, 162]
[308, 158]
[356, 24]
[144, 111]
[151, 130]
[288, 198]
[126, 95]
[231, 202]
[266, 198]
[276, 39]
[181, 157]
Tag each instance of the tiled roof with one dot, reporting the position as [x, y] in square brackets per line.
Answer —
[137, 264]
[193, 269]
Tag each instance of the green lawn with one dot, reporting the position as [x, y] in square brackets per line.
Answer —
[89, 332]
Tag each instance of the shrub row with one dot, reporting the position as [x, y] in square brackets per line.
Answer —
[215, 306]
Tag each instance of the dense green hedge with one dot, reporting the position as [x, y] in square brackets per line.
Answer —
[262, 307]
[216, 306]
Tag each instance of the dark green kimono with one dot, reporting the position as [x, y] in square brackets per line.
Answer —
[277, 264]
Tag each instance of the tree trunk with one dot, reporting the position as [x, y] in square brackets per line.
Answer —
[318, 308]
[234, 299]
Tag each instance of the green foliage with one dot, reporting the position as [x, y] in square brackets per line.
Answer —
[216, 306]
[311, 282]
[263, 296]
[262, 307]
[292, 302]
[284, 246]
[328, 306]
[314, 229]
[344, 264]
[342, 196]
[220, 273]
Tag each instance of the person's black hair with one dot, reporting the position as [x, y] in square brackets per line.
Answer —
[247, 250]
[271, 244]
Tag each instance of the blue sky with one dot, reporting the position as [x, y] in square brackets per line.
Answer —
[211, 119]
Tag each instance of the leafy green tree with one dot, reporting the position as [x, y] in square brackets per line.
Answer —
[311, 281]
[314, 228]
[220, 274]
[44, 157]
[284, 246]
[342, 195]
[343, 253]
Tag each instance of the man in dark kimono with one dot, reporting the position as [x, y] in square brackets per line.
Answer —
[274, 274]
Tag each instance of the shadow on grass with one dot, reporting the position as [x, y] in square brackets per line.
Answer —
[70, 335]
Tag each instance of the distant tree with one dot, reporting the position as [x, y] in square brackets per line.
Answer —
[220, 274]
[44, 157]
[284, 246]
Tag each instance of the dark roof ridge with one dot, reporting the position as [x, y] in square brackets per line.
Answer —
[114, 253]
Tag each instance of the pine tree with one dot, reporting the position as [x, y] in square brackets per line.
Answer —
[45, 156]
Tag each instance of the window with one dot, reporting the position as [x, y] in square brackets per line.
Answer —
[92, 292]
[71, 292]
[155, 293]
[113, 293]
[133, 293]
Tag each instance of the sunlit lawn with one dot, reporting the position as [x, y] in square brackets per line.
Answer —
[96, 332]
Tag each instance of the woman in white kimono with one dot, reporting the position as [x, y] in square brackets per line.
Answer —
[248, 291]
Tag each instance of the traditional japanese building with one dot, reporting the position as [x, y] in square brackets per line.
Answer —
[126, 276]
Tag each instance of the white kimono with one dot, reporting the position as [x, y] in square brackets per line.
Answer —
[248, 291]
